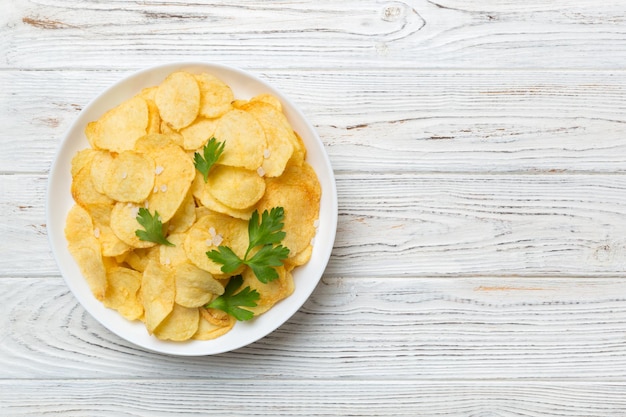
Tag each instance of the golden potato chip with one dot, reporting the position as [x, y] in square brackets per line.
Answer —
[124, 224]
[178, 99]
[298, 192]
[110, 244]
[130, 177]
[122, 292]
[197, 134]
[194, 286]
[278, 133]
[173, 255]
[82, 158]
[91, 132]
[211, 231]
[244, 139]
[181, 324]
[208, 331]
[238, 188]
[173, 135]
[184, 217]
[215, 95]
[138, 258]
[217, 317]
[84, 190]
[174, 170]
[154, 118]
[201, 191]
[99, 170]
[271, 292]
[158, 291]
[85, 250]
[148, 93]
[299, 152]
[121, 126]
[269, 99]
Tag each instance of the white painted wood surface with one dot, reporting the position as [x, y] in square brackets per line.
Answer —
[480, 154]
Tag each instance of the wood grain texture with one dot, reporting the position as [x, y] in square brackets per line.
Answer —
[409, 329]
[401, 121]
[407, 34]
[152, 398]
[418, 225]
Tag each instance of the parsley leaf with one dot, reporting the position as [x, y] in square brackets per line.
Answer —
[153, 228]
[230, 302]
[212, 151]
[266, 234]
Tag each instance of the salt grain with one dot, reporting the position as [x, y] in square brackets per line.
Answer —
[209, 242]
[159, 169]
[313, 242]
[96, 233]
[163, 188]
[124, 175]
[260, 171]
[316, 223]
[217, 240]
[167, 261]
[134, 212]
[212, 231]
[146, 204]
[155, 189]
[266, 153]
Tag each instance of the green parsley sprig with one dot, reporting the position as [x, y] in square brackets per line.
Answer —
[153, 227]
[210, 154]
[231, 303]
[268, 234]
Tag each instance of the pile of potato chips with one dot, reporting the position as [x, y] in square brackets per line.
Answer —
[141, 155]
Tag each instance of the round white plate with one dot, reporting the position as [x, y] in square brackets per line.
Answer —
[59, 201]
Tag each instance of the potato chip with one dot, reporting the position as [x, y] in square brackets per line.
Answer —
[202, 192]
[269, 99]
[298, 192]
[194, 286]
[278, 133]
[197, 134]
[244, 139]
[173, 255]
[299, 152]
[158, 291]
[130, 177]
[184, 217]
[178, 99]
[82, 158]
[122, 292]
[208, 331]
[121, 126]
[110, 244]
[211, 231]
[173, 135]
[154, 118]
[124, 224]
[181, 324]
[85, 249]
[216, 96]
[91, 132]
[217, 317]
[238, 188]
[139, 258]
[271, 292]
[99, 170]
[84, 190]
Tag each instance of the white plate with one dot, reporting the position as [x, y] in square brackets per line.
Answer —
[59, 201]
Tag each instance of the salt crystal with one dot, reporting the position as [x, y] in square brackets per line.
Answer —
[167, 261]
[159, 169]
[313, 242]
[163, 188]
[260, 171]
[155, 189]
[212, 231]
[96, 232]
[266, 153]
[134, 212]
[124, 175]
[146, 204]
[217, 240]
[209, 242]
[316, 223]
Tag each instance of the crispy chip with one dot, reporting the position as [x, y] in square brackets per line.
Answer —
[110, 244]
[139, 258]
[82, 158]
[130, 177]
[181, 324]
[208, 330]
[194, 286]
[244, 139]
[85, 249]
[197, 134]
[184, 217]
[238, 188]
[270, 293]
[123, 292]
[216, 96]
[173, 255]
[269, 99]
[84, 190]
[298, 192]
[158, 290]
[121, 126]
[124, 224]
[178, 99]
[211, 231]
[202, 192]
[279, 134]
[100, 168]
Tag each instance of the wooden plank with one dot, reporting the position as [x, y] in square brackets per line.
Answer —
[423, 33]
[413, 121]
[417, 225]
[405, 329]
[153, 398]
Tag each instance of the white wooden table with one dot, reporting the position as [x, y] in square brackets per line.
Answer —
[480, 155]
